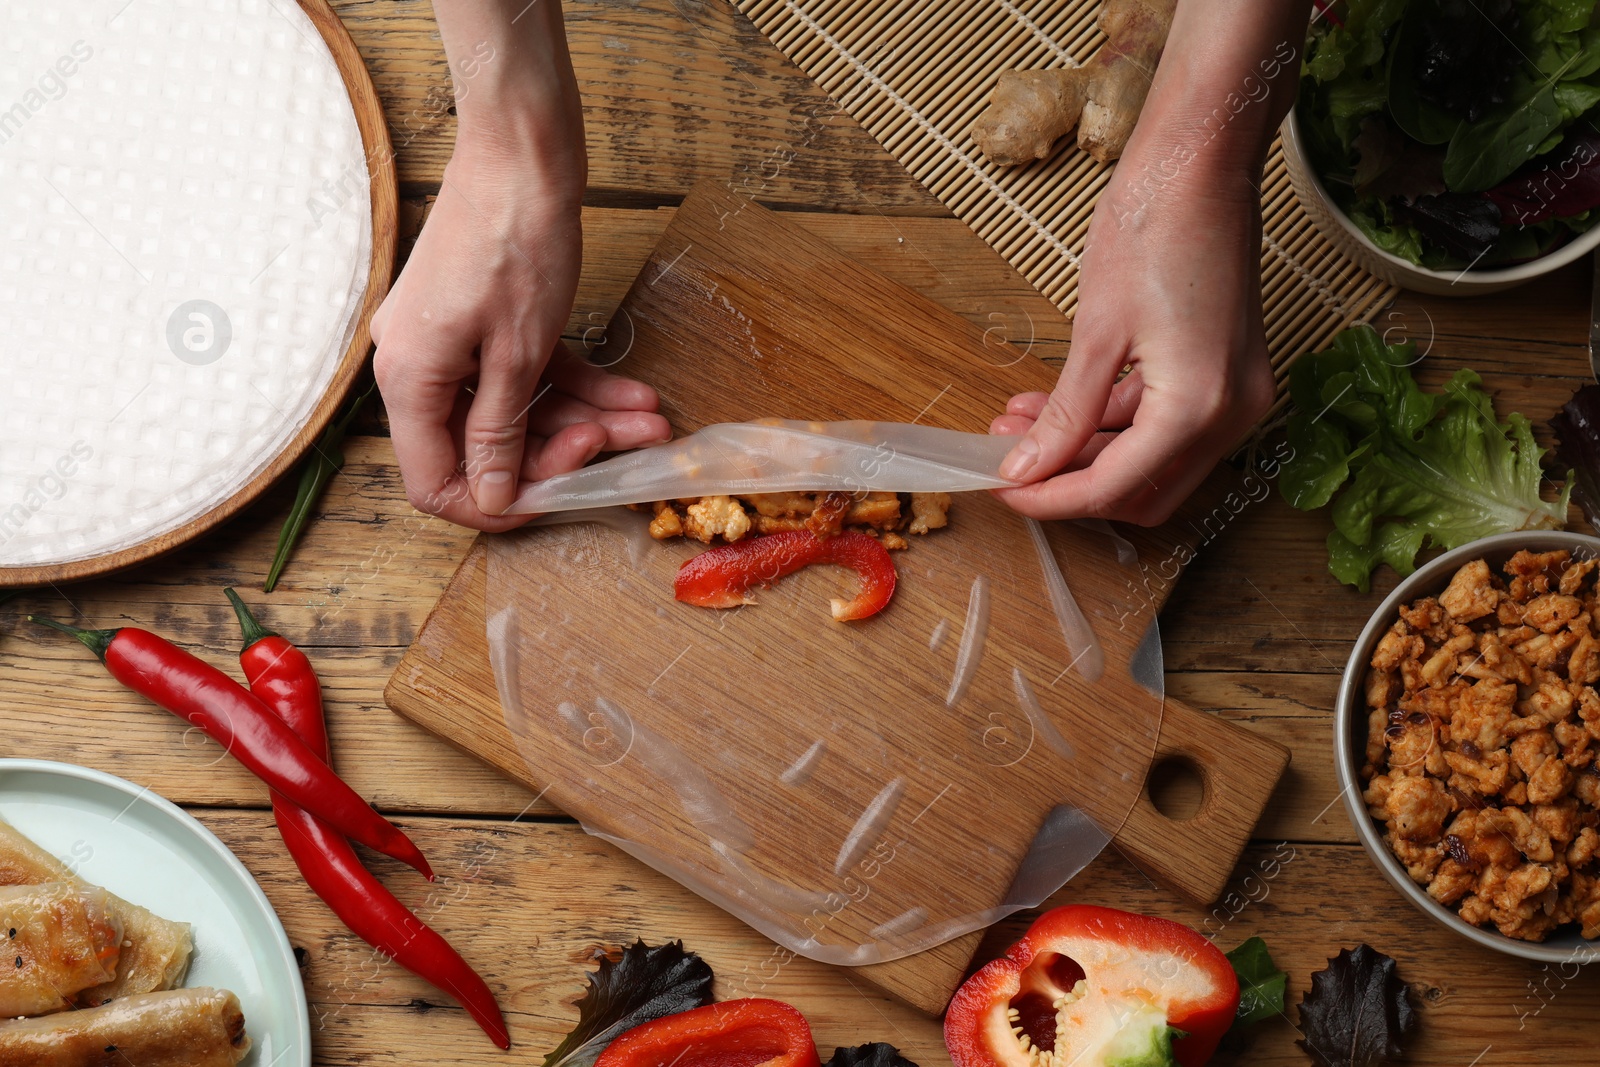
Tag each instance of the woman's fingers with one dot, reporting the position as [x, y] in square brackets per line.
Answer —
[1125, 397]
[570, 373]
[1010, 425]
[1118, 414]
[497, 424]
[1173, 487]
[566, 450]
[1070, 415]
[1028, 405]
[556, 411]
[634, 429]
[420, 410]
[1135, 465]
[1016, 425]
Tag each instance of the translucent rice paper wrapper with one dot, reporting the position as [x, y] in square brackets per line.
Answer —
[781, 455]
[857, 792]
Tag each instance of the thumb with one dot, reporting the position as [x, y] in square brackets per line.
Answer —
[1070, 417]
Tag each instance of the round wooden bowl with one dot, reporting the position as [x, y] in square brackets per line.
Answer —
[385, 207]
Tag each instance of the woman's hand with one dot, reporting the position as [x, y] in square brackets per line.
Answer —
[1175, 294]
[481, 392]
[1170, 285]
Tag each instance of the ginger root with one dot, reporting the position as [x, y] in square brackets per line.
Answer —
[1032, 109]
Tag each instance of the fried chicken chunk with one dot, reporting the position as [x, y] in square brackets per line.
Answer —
[929, 511]
[716, 516]
[1470, 595]
[731, 518]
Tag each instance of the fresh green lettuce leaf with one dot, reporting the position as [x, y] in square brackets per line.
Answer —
[1261, 984]
[1355, 46]
[1485, 153]
[1574, 98]
[1558, 37]
[1394, 237]
[1435, 468]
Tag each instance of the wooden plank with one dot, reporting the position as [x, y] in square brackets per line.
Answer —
[673, 91]
[561, 894]
[940, 258]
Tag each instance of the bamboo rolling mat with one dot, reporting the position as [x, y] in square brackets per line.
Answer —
[916, 73]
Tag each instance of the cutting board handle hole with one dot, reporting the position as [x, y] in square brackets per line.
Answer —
[1176, 787]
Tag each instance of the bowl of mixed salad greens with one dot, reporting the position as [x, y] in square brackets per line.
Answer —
[1451, 146]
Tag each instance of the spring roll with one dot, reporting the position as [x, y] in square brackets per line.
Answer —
[56, 940]
[197, 1027]
[155, 951]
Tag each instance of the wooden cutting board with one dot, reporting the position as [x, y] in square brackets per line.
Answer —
[738, 314]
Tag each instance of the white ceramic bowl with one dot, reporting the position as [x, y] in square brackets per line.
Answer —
[1350, 735]
[1333, 224]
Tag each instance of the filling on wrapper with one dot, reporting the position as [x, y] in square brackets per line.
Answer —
[1481, 740]
[886, 516]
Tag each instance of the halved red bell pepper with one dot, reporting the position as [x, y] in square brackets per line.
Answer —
[720, 577]
[735, 1033]
[1095, 987]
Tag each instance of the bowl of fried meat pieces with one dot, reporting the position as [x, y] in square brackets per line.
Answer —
[1466, 736]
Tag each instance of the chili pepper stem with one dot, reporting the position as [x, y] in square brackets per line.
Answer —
[253, 630]
[96, 641]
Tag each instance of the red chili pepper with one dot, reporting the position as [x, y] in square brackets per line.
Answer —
[282, 676]
[1095, 987]
[720, 577]
[735, 1033]
[203, 696]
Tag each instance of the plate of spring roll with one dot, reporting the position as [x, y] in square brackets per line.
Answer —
[129, 934]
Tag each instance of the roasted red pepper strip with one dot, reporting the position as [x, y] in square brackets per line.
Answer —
[203, 696]
[735, 1033]
[282, 676]
[720, 577]
[1095, 987]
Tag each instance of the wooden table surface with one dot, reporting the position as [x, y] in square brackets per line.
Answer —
[676, 91]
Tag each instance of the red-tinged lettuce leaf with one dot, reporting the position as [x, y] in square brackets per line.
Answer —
[645, 983]
[1465, 225]
[1357, 1012]
[875, 1054]
[1417, 171]
[1577, 427]
[1556, 186]
[1378, 147]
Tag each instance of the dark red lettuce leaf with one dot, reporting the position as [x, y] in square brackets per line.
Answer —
[1463, 224]
[1357, 1011]
[1378, 147]
[1557, 185]
[876, 1054]
[1417, 171]
[644, 983]
[1577, 427]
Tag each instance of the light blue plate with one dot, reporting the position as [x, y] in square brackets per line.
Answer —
[149, 851]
